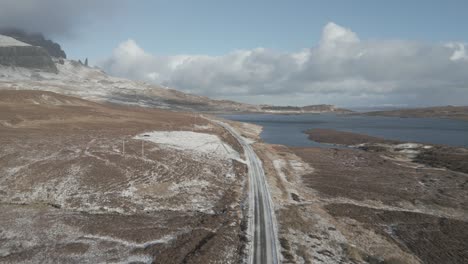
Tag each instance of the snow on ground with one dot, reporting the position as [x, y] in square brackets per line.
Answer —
[72, 79]
[201, 143]
[203, 127]
[279, 164]
[408, 146]
[90, 83]
[22, 234]
[6, 41]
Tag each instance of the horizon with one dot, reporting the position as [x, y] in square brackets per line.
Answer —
[351, 55]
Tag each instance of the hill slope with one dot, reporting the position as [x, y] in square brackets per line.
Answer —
[27, 67]
[322, 108]
[73, 78]
[452, 112]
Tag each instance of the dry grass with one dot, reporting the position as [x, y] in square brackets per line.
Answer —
[68, 194]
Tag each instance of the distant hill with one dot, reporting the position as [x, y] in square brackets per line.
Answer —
[322, 108]
[35, 39]
[75, 79]
[452, 112]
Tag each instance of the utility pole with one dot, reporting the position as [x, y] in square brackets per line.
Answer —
[123, 147]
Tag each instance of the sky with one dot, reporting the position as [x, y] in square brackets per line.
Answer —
[348, 53]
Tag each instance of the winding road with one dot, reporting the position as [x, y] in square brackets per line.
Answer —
[262, 223]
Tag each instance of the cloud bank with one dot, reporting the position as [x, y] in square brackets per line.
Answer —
[341, 69]
[52, 17]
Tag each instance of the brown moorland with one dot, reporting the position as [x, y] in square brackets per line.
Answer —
[68, 193]
[411, 195]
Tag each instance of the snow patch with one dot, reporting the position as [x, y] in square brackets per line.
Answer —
[129, 192]
[408, 146]
[279, 164]
[201, 143]
[198, 184]
[127, 243]
[203, 127]
[298, 167]
[6, 41]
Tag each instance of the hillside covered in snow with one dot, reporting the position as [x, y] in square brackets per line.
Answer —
[26, 67]
[29, 67]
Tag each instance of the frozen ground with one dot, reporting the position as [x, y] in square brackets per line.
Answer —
[69, 194]
[199, 143]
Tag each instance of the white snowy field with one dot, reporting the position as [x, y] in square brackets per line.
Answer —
[201, 143]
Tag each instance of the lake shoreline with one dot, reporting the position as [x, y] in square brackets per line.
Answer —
[424, 130]
[386, 204]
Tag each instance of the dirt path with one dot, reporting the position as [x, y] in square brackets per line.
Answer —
[262, 223]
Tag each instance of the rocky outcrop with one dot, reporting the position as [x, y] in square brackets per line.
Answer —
[31, 57]
[35, 39]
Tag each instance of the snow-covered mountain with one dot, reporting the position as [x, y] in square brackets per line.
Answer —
[75, 79]
[15, 53]
[27, 67]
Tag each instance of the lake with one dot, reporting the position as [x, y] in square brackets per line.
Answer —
[288, 129]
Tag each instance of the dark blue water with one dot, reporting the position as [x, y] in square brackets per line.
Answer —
[288, 129]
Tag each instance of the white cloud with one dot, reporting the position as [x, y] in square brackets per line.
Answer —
[341, 69]
[334, 36]
[459, 52]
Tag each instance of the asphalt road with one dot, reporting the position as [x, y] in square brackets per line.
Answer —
[262, 226]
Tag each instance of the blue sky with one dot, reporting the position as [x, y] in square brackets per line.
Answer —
[349, 53]
[213, 27]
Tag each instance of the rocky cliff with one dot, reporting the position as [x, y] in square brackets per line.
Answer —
[35, 39]
[19, 54]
